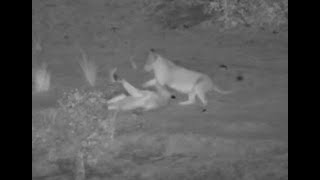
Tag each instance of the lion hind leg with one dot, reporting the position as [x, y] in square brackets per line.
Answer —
[202, 96]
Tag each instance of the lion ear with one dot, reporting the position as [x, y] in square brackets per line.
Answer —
[152, 50]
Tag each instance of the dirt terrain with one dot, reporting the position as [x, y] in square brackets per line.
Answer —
[243, 135]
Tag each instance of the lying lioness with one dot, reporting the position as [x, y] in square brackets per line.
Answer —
[145, 99]
[179, 78]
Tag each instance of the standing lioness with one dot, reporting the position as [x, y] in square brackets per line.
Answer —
[179, 78]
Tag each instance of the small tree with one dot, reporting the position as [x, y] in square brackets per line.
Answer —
[80, 130]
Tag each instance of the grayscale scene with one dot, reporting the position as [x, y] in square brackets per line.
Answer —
[159, 89]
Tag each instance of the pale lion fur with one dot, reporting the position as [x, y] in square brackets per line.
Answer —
[167, 73]
[144, 99]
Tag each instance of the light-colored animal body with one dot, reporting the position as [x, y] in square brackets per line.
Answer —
[145, 99]
[183, 80]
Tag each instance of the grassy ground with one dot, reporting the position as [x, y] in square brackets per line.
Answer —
[243, 135]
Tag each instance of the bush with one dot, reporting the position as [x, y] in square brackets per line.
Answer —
[89, 69]
[79, 131]
[41, 78]
[229, 13]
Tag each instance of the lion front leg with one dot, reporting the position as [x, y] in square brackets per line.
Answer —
[116, 99]
[131, 89]
[149, 83]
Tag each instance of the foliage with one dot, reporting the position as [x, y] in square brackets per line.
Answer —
[80, 130]
[229, 13]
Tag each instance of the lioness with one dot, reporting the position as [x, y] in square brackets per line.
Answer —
[145, 99]
[179, 78]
